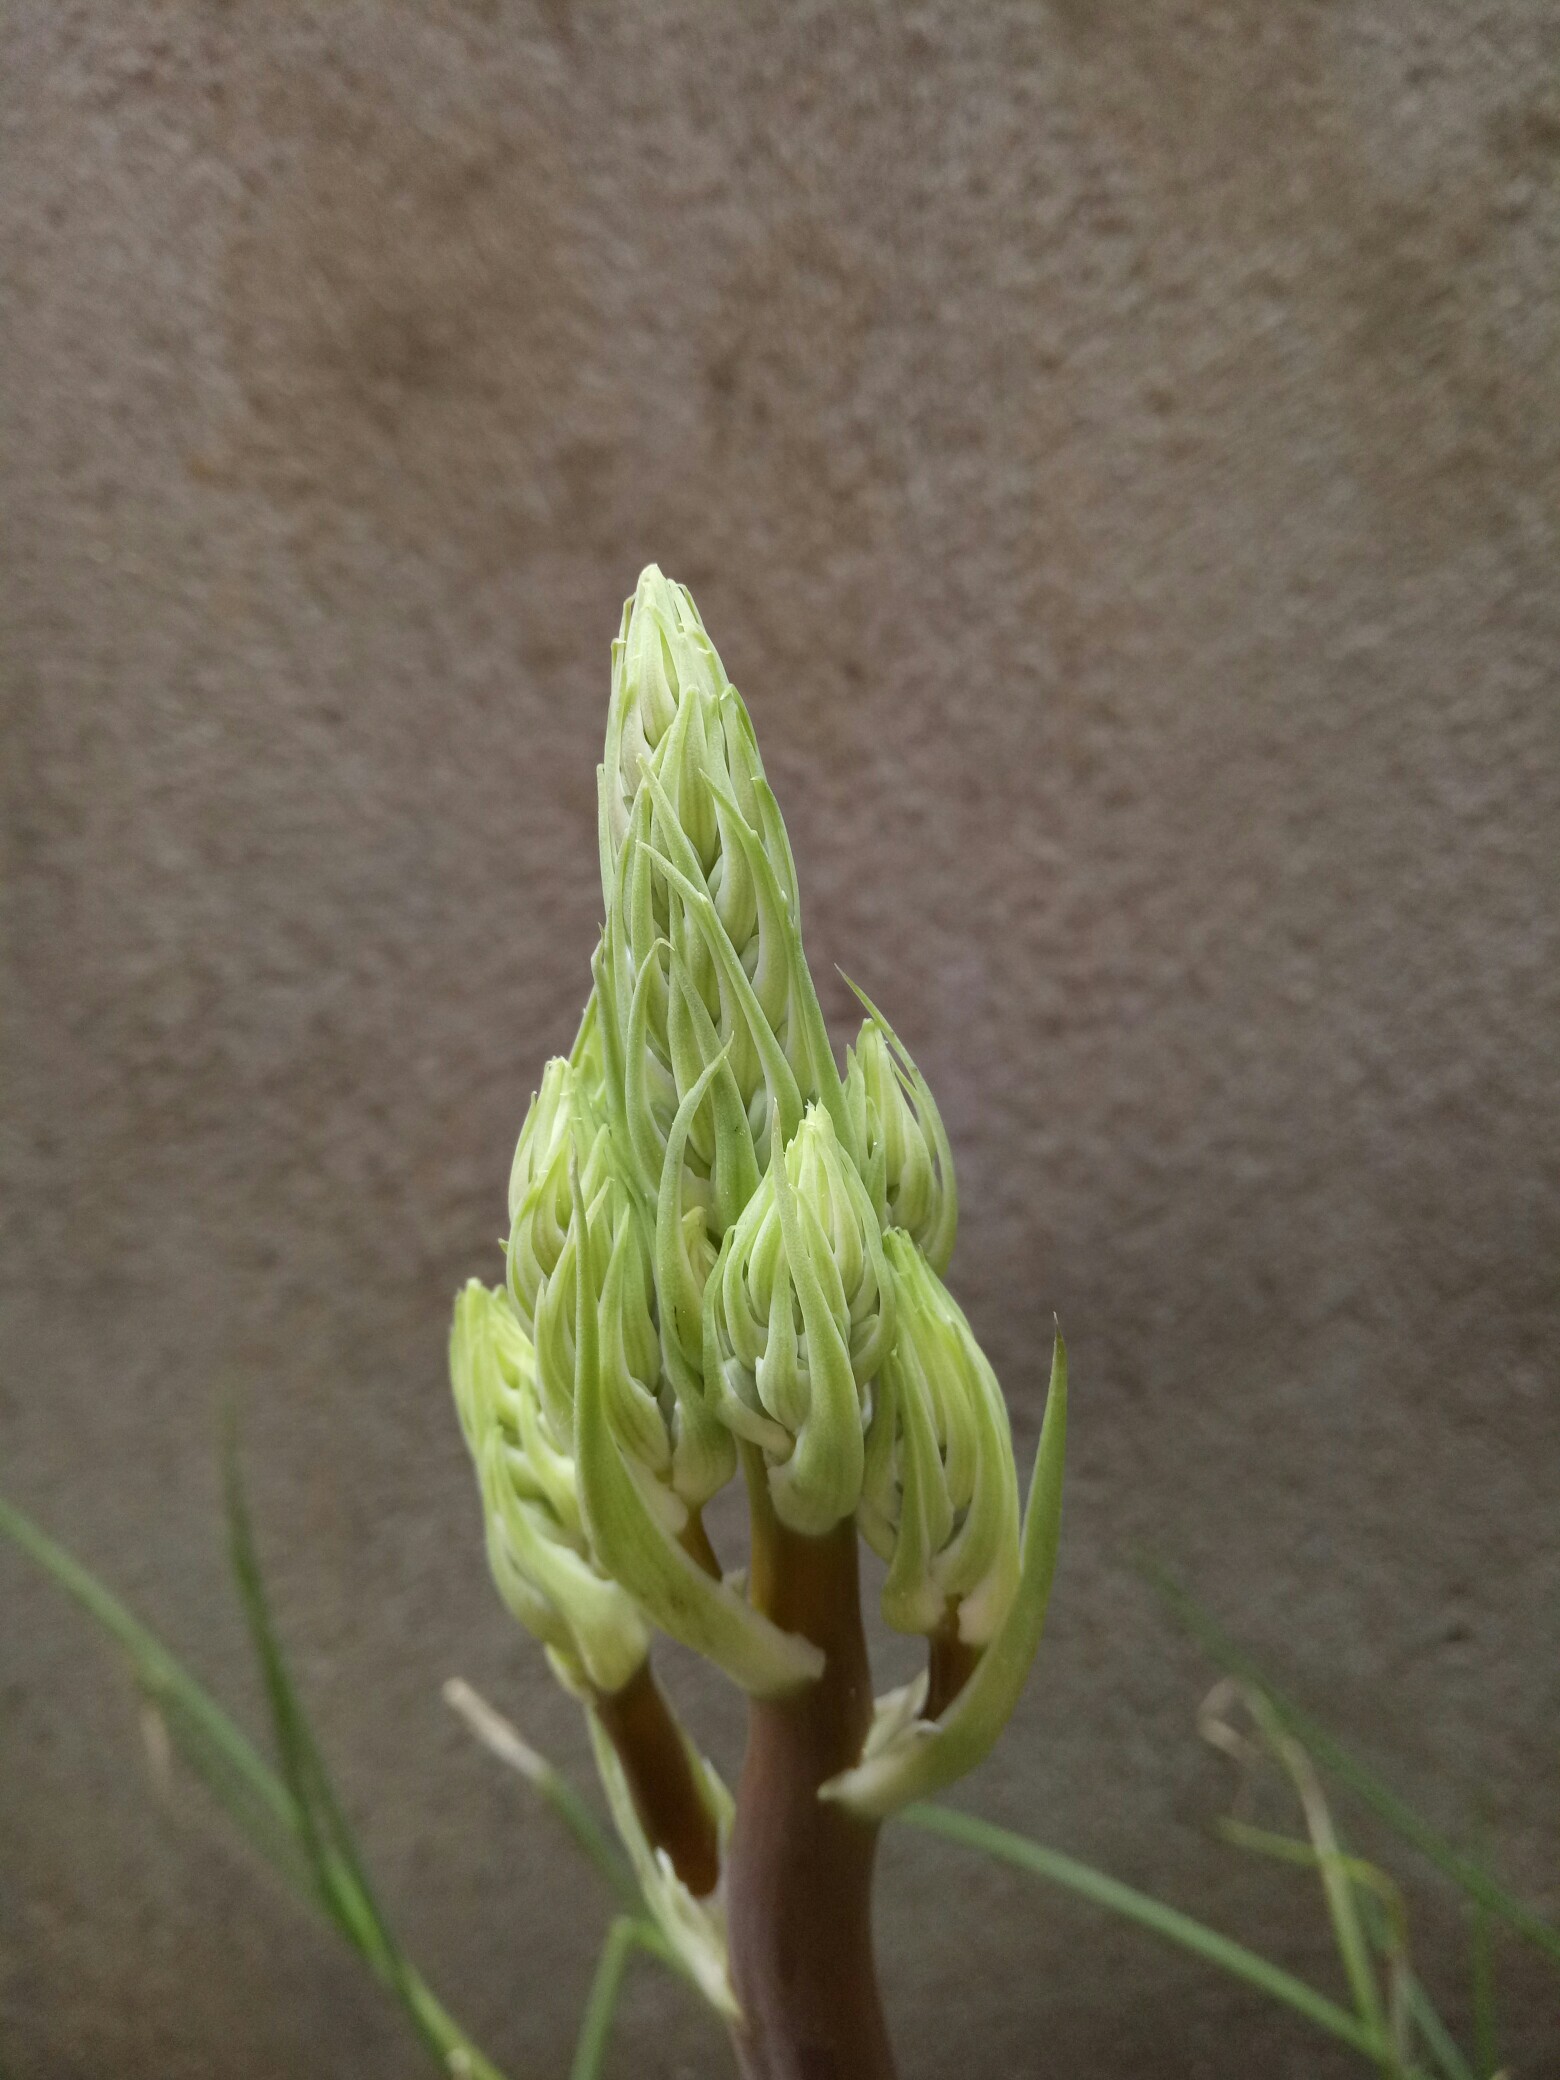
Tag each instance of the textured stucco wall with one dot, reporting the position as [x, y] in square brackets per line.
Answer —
[1117, 451]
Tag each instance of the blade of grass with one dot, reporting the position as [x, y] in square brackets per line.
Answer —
[1481, 1959]
[1168, 1923]
[1427, 2020]
[590, 2050]
[1284, 1848]
[1337, 1884]
[1463, 1870]
[263, 1807]
[503, 1739]
[1370, 1881]
[328, 1839]
[221, 1755]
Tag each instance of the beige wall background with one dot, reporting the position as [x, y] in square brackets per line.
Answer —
[1117, 452]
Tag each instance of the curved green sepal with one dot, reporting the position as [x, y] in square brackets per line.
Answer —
[924, 1757]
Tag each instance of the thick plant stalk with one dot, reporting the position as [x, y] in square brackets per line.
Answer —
[799, 1874]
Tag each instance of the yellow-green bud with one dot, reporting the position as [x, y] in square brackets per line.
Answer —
[564, 1132]
[538, 1549]
[906, 1162]
[564, 1124]
[798, 1318]
[940, 1492]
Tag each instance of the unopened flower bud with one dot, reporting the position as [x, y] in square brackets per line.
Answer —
[940, 1500]
[906, 1162]
[537, 1546]
[799, 1316]
[564, 1124]
[661, 654]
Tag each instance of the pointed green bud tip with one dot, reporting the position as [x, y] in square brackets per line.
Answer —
[799, 1319]
[701, 953]
[940, 1489]
[538, 1549]
[661, 656]
[905, 1158]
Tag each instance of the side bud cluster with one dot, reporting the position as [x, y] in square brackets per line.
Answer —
[940, 1494]
[799, 1319]
[537, 1545]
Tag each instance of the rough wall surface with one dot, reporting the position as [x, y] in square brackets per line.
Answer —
[1117, 452]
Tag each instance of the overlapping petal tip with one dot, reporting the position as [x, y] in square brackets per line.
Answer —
[662, 654]
[912, 1757]
[565, 1124]
[701, 951]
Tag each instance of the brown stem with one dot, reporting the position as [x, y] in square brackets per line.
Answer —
[799, 1869]
[660, 1776]
[695, 1542]
[949, 1664]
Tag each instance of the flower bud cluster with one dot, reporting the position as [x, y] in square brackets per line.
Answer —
[720, 1247]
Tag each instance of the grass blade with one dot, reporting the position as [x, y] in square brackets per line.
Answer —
[1481, 1958]
[328, 1839]
[1370, 1882]
[1437, 2036]
[221, 1755]
[1332, 1867]
[504, 1740]
[1166, 1922]
[1463, 1870]
[590, 2051]
[264, 1807]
